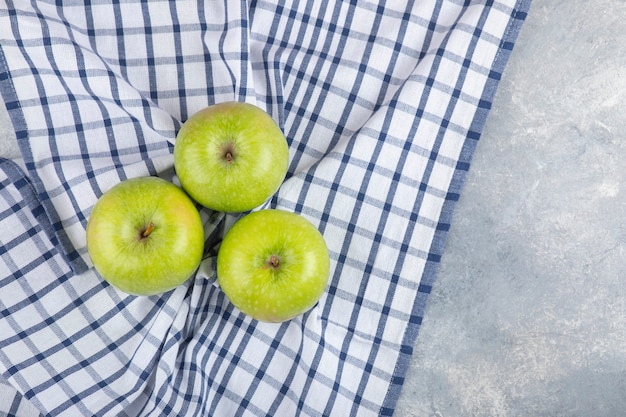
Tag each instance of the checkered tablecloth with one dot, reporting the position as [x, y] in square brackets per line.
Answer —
[382, 104]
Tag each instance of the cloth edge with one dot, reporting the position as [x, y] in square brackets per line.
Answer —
[13, 403]
[7, 90]
[518, 16]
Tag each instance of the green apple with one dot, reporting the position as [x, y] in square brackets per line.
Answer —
[273, 265]
[145, 236]
[231, 157]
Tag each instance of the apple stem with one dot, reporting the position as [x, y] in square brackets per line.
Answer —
[228, 152]
[273, 262]
[148, 230]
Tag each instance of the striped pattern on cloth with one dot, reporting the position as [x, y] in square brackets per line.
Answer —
[382, 104]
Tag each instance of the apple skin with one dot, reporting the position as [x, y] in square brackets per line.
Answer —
[121, 252]
[231, 157]
[267, 291]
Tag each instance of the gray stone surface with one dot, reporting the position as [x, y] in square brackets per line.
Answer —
[528, 314]
[8, 144]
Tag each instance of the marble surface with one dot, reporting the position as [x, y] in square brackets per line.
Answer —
[528, 314]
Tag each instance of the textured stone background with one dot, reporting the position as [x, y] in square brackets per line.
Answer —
[528, 314]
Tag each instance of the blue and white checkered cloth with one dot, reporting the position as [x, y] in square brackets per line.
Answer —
[382, 104]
